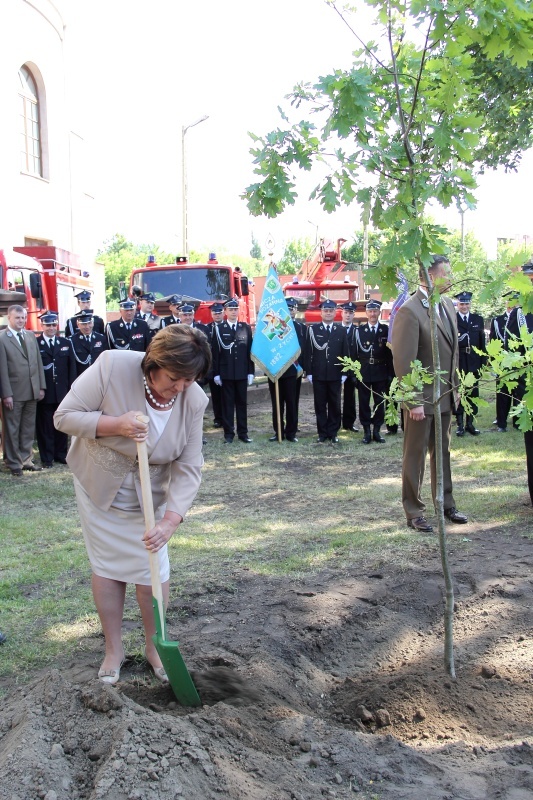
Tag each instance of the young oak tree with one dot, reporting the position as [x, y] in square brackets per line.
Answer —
[398, 129]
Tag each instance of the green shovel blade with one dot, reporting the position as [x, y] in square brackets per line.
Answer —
[178, 674]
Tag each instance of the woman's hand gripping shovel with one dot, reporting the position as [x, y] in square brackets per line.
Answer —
[169, 652]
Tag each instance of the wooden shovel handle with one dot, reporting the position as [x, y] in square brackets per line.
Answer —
[149, 522]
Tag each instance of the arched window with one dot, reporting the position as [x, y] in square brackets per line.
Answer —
[30, 127]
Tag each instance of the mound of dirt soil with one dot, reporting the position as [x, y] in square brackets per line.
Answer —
[328, 688]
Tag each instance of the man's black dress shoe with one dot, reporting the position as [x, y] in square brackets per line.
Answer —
[275, 438]
[378, 437]
[245, 439]
[228, 440]
[47, 465]
[17, 473]
[321, 440]
[292, 439]
[455, 516]
[217, 424]
[31, 468]
[420, 524]
[335, 440]
[3, 637]
[472, 430]
[367, 438]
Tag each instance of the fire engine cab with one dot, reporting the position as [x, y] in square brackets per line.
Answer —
[199, 284]
[40, 279]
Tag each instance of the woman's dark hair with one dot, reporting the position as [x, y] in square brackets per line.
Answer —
[181, 350]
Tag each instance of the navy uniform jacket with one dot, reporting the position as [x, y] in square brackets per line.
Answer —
[471, 335]
[231, 351]
[373, 354]
[72, 326]
[301, 333]
[86, 353]
[498, 328]
[322, 354]
[152, 320]
[513, 326]
[120, 338]
[59, 368]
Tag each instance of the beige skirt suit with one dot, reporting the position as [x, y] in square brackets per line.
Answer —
[106, 473]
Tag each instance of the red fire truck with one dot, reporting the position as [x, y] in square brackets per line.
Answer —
[40, 279]
[316, 282]
[199, 284]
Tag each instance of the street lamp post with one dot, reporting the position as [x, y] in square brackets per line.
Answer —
[184, 129]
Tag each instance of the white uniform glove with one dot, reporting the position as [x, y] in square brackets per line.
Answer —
[250, 380]
[218, 380]
[310, 378]
[343, 378]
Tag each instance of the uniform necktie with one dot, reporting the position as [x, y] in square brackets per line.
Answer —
[22, 344]
[128, 326]
[373, 330]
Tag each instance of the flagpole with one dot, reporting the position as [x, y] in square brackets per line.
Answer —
[278, 412]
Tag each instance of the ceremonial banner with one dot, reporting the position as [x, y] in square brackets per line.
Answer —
[275, 344]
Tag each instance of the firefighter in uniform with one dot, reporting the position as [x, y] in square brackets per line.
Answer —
[233, 371]
[187, 317]
[288, 387]
[84, 302]
[59, 372]
[147, 302]
[86, 344]
[326, 342]
[471, 336]
[349, 406]
[498, 330]
[173, 318]
[376, 370]
[128, 333]
[217, 316]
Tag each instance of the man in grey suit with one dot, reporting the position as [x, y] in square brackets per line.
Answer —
[23, 385]
[411, 340]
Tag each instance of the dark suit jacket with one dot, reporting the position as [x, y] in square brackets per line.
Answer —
[152, 320]
[411, 341]
[120, 338]
[59, 368]
[471, 335]
[20, 378]
[373, 353]
[231, 351]
[323, 362]
[86, 353]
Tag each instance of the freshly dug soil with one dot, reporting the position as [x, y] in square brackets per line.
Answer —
[318, 689]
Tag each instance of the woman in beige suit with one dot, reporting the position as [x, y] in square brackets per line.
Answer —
[101, 412]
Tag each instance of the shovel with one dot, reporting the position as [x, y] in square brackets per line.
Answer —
[169, 652]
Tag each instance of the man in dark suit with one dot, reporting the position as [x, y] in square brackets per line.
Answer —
[288, 386]
[375, 357]
[145, 312]
[174, 317]
[86, 344]
[326, 342]
[411, 340]
[471, 335]
[217, 316]
[60, 372]
[233, 371]
[349, 406]
[23, 385]
[128, 333]
[84, 302]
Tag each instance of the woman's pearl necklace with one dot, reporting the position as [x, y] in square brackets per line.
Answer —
[154, 401]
